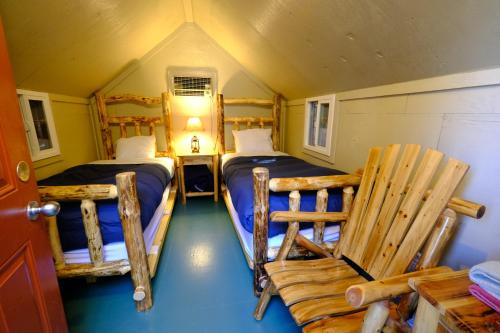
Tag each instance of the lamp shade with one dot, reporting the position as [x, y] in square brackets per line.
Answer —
[194, 124]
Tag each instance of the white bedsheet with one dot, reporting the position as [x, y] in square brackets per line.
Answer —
[331, 234]
[117, 250]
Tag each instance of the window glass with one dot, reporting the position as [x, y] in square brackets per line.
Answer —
[40, 124]
[313, 107]
[323, 123]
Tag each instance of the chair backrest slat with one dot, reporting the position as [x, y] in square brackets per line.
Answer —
[406, 212]
[389, 208]
[428, 215]
[377, 197]
[361, 200]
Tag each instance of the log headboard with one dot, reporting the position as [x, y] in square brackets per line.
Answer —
[136, 122]
[248, 121]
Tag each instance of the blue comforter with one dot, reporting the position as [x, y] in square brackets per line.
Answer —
[237, 175]
[152, 179]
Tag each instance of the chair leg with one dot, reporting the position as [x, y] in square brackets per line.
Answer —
[265, 297]
[375, 317]
[427, 317]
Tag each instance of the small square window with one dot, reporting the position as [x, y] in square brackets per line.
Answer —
[318, 128]
[39, 124]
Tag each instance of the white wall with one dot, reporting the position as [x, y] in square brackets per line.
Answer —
[189, 46]
[458, 114]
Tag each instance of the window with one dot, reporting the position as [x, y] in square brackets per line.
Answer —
[319, 124]
[39, 124]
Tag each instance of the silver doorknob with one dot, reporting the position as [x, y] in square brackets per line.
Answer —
[50, 208]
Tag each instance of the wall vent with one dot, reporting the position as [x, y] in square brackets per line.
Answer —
[184, 81]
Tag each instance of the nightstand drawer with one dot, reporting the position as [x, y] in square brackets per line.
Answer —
[191, 160]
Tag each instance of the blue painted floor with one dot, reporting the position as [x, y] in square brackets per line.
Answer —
[203, 284]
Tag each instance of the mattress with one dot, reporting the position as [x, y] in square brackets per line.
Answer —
[237, 174]
[117, 250]
[246, 238]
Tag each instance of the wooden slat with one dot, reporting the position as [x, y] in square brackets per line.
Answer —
[287, 216]
[375, 202]
[321, 205]
[92, 231]
[311, 246]
[107, 142]
[129, 98]
[159, 240]
[428, 215]
[305, 291]
[350, 323]
[151, 128]
[415, 282]
[248, 101]
[78, 192]
[123, 130]
[137, 128]
[361, 201]
[220, 124]
[55, 242]
[167, 120]
[297, 265]
[392, 202]
[374, 291]
[108, 268]
[117, 120]
[347, 199]
[310, 310]
[276, 122]
[312, 183]
[284, 279]
[255, 120]
[406, 212]
[293, 227]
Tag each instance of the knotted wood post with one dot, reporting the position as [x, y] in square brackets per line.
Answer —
[55, 242]
[260, 226]
[347, 199]
[431, 254]
[220, 124]
[92, 231]
[321, 205]
[276, 122]
[130, 214]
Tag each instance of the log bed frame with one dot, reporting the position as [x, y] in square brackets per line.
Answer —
[141, 265]
[262, 185]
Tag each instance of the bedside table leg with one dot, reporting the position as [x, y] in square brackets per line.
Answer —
[215, 171]
[181, 180]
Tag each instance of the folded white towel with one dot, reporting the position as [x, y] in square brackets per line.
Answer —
[487, 276]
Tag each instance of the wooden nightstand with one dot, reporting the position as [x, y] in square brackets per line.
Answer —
[188, 158]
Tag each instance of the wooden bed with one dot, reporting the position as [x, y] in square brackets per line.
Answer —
[263, 186]
[141, 265]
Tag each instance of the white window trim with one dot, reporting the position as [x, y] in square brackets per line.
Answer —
[327, 151]
[24, 97]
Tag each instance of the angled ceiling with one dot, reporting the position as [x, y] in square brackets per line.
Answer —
[299, 48]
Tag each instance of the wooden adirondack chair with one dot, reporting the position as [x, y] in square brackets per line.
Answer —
[396, 209]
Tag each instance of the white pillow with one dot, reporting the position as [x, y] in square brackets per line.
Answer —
[136, 147]
[253, 140]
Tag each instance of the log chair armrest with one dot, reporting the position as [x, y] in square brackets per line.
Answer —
[313, 183]
[318, 217]
[370, 292]
[414, 282]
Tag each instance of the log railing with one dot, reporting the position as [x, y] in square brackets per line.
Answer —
[128, 207]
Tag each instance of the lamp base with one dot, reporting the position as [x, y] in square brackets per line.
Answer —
[195, 145]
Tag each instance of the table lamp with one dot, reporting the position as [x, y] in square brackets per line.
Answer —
[194, 125]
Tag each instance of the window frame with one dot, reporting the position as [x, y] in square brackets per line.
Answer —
[325, 99]
[37, 154]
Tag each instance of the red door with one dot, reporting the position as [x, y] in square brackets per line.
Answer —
[29, 294]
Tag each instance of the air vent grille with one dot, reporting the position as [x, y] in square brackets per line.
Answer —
[192, 86]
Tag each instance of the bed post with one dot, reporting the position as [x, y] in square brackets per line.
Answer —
[276, 122]
[220, 124]
[167, 120]
[130, 214]
[260, 226]
[105, 130]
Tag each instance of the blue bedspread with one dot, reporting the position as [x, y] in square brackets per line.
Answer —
[238, 178]
[152, 179]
